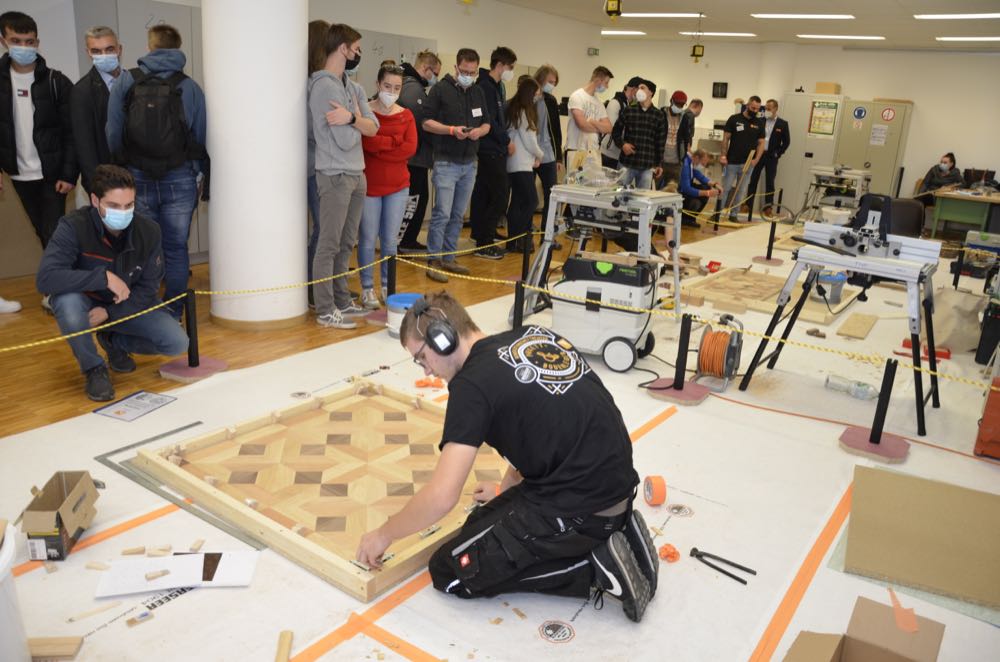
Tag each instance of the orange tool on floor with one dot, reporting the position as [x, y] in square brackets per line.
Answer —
[654, 490]
[669, 554]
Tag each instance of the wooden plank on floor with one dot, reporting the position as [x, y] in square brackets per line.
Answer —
[858, 325]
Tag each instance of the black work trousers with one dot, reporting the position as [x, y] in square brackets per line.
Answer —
[416, 206]
[509, 546]
[769, 166]
[489, 197]
[523, 202]
[547, 173]
[43, 205]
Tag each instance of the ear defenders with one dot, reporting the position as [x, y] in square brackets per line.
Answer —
[439, 334]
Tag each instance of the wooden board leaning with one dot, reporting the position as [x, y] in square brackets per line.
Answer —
[311, 479]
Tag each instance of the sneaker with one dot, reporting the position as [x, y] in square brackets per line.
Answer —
[352, 309]
[415, 247]
[454, 267]
[637, 535]
[9, 306]
[335, 320]
[490, 253]
[46, 306]
[436, 275]
[118, 359]
[99, 387]
[617, 573]
[369, 300]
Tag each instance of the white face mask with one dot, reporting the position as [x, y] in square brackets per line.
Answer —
[601, 89]
[465, 80]
[387, 98]
[548, 87]
[507, 75]
[944, 166]
[768, 114]
[677, 109]
[640, 96]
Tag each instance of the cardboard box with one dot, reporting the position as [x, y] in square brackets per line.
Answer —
[872, 636]
[58, 515]
[827, 88]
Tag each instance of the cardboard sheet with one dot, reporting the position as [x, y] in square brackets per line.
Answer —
[128, 576]
[924, 533]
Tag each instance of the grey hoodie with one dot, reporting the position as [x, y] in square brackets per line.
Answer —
[338, 148]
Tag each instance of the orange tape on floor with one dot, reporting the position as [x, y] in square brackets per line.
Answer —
[646, 427]
[803, 578]
[101, 536]
[397, 645]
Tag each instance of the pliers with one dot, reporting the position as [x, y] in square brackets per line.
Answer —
[702, 556]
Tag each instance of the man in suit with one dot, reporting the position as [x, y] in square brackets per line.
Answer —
[776, 141]
[89, 101]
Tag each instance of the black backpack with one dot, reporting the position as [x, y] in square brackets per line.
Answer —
[157, 138]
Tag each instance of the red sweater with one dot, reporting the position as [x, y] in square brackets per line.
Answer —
[387, 152]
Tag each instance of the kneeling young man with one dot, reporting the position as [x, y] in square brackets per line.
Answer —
[103, 263]
[561, 521]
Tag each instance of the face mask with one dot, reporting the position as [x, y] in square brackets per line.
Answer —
[601, 89]
[23, 55]
[768, 114]
[352, 64]
[106, 63]
[677, 110]
[507, 75]
[465, 80]
[943, 166]
[431, 79]
[118, 219]
[640, 96]
[387, 98]
[548, 87]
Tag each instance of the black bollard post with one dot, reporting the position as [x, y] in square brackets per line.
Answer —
[883, 401]
[680, 366]
[526, 246]
[518, 305]
[191, 323]
[390, 286]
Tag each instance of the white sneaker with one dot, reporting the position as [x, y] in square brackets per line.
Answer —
[353, 310]
[46, 306]
[369, 300]
[9, 306]
[335, 320]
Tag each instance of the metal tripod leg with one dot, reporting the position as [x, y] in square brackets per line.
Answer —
[783, 298]
[931, 347]
[806, 288]
[918, 383]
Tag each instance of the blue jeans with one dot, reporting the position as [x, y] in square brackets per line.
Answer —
[730, 174]
[643, 179]
[153, 333]
[170, 202]
[453, 183]
[381, 218]
[312, 198]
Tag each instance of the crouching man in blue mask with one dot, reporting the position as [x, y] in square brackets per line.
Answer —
[104, 263]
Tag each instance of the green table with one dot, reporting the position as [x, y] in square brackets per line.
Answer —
[952, 207]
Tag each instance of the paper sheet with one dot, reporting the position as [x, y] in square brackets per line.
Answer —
[128, 576]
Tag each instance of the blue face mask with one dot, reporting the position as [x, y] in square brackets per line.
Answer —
[106, 63]
[601, 89]
[23, 55]
[433, 79]
[118, 219]
[548, 87]
[465, 80]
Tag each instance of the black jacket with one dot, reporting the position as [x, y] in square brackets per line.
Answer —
[79, 255]
[685, 134]
[495, 142]
[412, 97]
[780, 140]
[452, 105]
[555, 126]
[89, 112]
[53, 131]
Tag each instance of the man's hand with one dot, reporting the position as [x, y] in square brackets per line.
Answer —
[339, 116]
[711, 193]
[657, 172]
[460, 132]
[628, 149]
[536, 163]
[117, 287]
[485, 491]
[479, 131]
[98, 315]
[723, 160]
[371, 548]
[64, 187]
[511, 148]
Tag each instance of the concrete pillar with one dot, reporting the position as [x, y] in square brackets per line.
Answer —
[777, 66]
[255, 86]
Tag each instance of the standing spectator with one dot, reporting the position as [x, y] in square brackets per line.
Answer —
[549, 134]
[587, 118]
[317, 60]
[489, 196]
[776, 141]
[89, 101]
[640, 133]
[744, 133]
[610, 152]
[673, 151]
[523, 126]
[695, 186]
[417, 78]
[163, 144]
[456, 113]
[386, 154]
[685, 134]
[339, 117]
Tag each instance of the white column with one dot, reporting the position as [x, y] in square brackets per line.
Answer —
[255, 86]
[777, 66]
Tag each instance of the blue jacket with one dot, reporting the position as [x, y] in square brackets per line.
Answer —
[495, 142]
[686, 188]
[79, 255]
[163, 62]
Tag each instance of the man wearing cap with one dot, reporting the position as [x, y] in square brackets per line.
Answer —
[640, 133]
[610, 152]
[672, 157]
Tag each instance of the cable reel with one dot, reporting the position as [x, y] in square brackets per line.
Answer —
[719, 352]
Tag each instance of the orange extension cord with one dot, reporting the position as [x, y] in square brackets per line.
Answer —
[712, 355]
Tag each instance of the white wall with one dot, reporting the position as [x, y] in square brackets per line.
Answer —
[956, 96]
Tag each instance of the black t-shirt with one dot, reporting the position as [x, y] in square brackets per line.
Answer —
[530, 395]
[743, 136]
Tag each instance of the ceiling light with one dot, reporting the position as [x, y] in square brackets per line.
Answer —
[828, 17]
[621, 33]
[947, 17]
[662, 15]
[718, 34]
[967, 38]
[841, 36]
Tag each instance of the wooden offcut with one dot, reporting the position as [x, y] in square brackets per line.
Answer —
[858, 325]
[927, 534]
[321, 474]
[54, 648]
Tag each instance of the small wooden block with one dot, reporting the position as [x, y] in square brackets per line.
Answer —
[815, 333]
[131, 551]
[496, 621]
[54, 648]
[520, 614]
[284, 646]
[858, 325]
[157, 552]
[97, 565]
[196, 545]
[156, 574]
[50, 567]
[141, 618]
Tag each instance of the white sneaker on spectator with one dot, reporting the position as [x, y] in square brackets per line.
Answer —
[335, 320]
[46, 306]
[353, 310]
[9, 306]
[369, 300]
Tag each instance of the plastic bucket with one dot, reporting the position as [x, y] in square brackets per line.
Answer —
[396, 306]
[13, 640]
